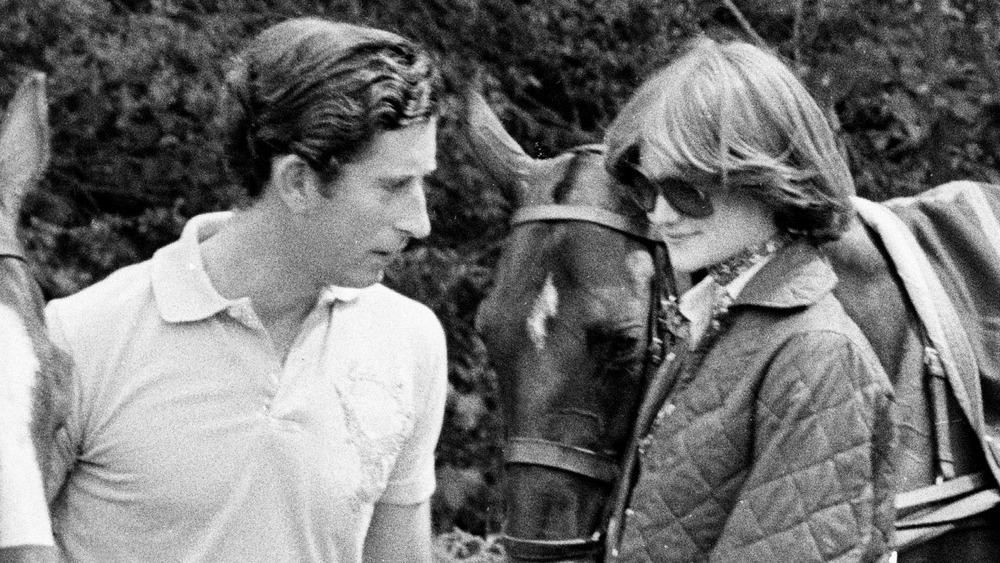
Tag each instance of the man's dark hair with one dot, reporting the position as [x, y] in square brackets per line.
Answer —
[321, 90]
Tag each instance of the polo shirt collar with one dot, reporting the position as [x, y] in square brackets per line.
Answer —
[181, 286]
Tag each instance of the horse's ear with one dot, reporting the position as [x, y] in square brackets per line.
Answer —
[499, 154]
[24, 142]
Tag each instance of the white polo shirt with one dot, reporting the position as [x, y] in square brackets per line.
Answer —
[191, 440]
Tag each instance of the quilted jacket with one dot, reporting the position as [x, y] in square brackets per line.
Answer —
[775, 442]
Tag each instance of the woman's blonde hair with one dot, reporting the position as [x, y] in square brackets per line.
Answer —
[733, 116]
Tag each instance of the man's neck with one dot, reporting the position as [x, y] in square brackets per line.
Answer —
[246, 259]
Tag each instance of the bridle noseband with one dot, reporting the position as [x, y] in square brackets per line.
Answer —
[581, 461]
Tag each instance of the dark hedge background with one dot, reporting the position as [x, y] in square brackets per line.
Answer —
[911, 85]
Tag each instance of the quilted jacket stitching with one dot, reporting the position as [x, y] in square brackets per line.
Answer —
[865, 394]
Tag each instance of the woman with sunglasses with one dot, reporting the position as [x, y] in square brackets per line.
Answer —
[773, 442]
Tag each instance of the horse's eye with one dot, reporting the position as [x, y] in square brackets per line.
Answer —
[626, 351]
[615, 351]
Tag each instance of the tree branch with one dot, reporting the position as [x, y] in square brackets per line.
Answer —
[982, 48]
[797, 33]
[744, 23]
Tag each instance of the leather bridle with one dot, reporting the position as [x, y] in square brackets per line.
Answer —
[10, 247]
[576, 460]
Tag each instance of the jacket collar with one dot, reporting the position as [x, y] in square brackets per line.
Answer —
[181, 287]
[797, 276]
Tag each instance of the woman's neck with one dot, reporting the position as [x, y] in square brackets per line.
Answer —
[729, 269]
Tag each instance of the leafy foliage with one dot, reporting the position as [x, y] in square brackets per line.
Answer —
[467, 548]
[910, 85]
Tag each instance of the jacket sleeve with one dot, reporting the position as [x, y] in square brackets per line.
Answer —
[819, 488]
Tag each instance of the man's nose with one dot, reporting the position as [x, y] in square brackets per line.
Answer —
[413, 218]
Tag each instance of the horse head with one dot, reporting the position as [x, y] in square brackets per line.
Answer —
[29, 363]
[570, 329]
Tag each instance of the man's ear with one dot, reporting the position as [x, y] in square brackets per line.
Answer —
[295, 183]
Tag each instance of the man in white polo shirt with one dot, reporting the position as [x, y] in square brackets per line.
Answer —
[251, 393]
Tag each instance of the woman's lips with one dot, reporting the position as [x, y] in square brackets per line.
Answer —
[678, 236]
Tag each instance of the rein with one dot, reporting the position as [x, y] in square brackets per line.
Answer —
[582, 461]
[10, 247]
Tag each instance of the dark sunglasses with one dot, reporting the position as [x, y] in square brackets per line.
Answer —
[681, 195]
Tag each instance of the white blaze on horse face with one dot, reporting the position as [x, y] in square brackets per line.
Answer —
[545, 307]
[24, 518]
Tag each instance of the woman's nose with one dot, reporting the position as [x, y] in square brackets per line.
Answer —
[663, 213]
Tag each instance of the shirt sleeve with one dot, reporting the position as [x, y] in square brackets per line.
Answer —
[24, 516]
[412, 479]
[818, 489]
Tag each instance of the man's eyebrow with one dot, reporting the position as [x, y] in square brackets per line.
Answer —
[400, 180]
[396, 180]
[410, 174]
